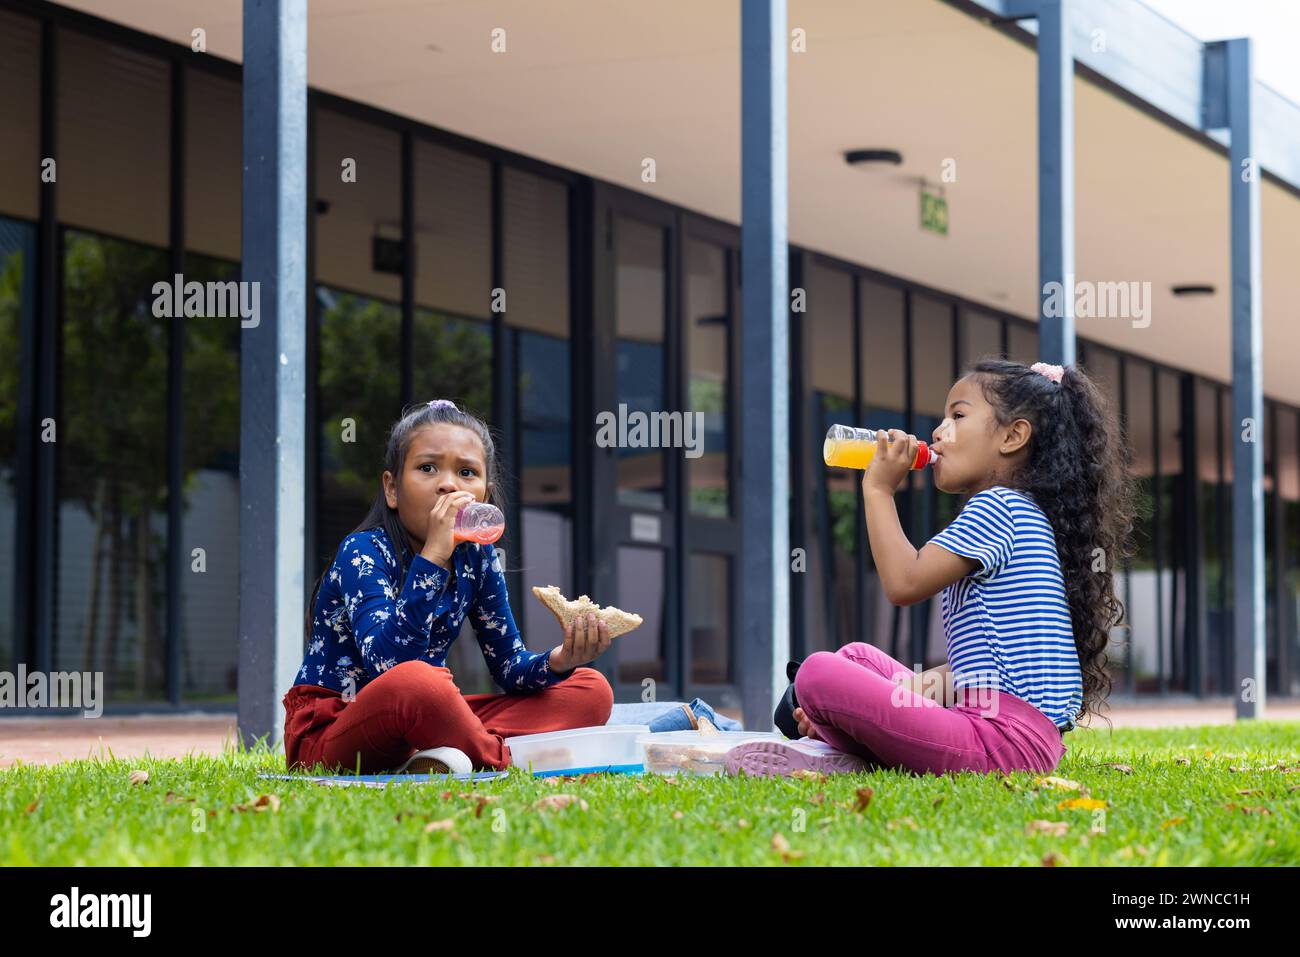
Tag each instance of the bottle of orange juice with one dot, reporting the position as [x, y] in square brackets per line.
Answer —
[850, 448]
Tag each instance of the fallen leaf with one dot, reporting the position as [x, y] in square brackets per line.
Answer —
[1173, 822]
[1052, 860]
[808, 774]
[779, 843]
[864, 799]
[556, 802]
[1250, 790]
[820, 798]
[1136, 850]
[902, 822]
[742, 823]
[1182, 761]
[173, 796]
[1121, 768]
[1062, 784]
[139, 777]
[1245, 809]
[1081, 804]
[264, 802]
[32, 807]
[678, 815]
[937, 801]
[446, 824]
[1054, 828]
[545, 859]
[483, 800]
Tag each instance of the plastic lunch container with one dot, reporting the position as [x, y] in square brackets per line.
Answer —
[673, 752]
[610, 747]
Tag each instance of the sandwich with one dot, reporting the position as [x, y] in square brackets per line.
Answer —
[566, 610]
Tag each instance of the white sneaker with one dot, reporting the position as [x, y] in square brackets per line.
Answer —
[437, 761]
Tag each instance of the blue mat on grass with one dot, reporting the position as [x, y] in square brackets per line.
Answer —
[381, 780]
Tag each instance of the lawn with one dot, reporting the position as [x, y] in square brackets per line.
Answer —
[1205, 796]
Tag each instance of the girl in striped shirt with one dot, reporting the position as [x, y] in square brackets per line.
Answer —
[1026, 573]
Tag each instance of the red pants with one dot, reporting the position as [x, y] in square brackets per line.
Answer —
[415, 706]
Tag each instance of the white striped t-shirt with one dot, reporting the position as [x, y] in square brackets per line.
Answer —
[1007, 622]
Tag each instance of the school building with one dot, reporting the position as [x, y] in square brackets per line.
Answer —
[536, 209]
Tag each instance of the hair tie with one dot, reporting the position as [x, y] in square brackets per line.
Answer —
[443, 404]
[1052, 372]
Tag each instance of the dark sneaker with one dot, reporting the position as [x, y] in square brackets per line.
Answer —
[783, 717]
[766, 759]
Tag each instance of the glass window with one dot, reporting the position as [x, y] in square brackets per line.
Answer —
[112, 434]
[20, 119]
[981, 337]
[884, 392]
[453, 238]
[1288, 470]
[358, 184]
[641, 585]
[1144, 606]
[1172, 517]
[640, 313]
[831, 606]
[114, 146]
[709, 601]
[1210, 494]
[536, 255]
[17, 303]
[210, 494]
[358, 205]
[932, 362]
[112, 127]
[708, 343]
[214, 164]
[1022, 342]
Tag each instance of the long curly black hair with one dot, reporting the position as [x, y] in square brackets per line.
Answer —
[1078, 473]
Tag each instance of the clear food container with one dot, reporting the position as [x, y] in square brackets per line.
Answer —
[673, 752]
[609, 747]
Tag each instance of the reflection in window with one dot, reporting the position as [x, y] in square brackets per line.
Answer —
[112, 437]
[17, 300]
[708, 333]
[640, 311]
[359, 402]
[709, 601]
[210, 496]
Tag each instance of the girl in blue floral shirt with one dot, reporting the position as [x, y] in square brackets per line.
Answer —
[374, 691]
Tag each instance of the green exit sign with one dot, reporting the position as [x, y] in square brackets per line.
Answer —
[934, 213]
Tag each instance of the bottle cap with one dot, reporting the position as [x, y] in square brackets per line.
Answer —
[923, 454]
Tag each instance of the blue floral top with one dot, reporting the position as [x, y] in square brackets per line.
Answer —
[365, 621]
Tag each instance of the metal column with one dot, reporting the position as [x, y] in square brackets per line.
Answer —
[273, 404]
[1055, 181]
[1247, 383]
[764, 645]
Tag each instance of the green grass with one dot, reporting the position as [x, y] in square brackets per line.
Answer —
[88, 812]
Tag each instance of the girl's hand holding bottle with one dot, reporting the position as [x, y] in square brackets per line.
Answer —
[896, 453]
[439, 540]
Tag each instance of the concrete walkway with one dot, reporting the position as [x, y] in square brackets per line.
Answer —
[51, 740]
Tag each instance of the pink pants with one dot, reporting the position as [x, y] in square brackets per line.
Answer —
[853, 705]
